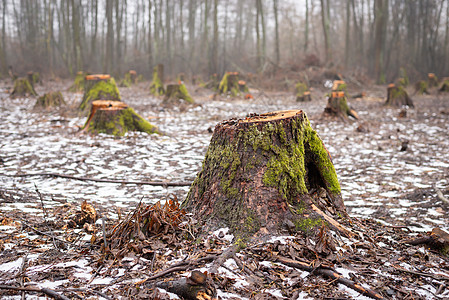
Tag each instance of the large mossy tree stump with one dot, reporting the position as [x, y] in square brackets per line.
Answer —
[302, 92]
[49, 100]
[157, 85]
[259, 174]
[176, 92]
[115, 118]
[397, 96]
[78, 84]
[23, 87]
[99, 87]
[231, 85]
[337, 106]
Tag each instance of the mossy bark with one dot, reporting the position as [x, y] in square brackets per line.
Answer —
[337, 106]
[34, 77]
[177, 91]
[302, 92]
[229, 85]
[157, 86]
[422, 87]
[398, 97]
[116, 118]
[259, 173]
[129, 79]
[23, 88]
[49, 100]
[99, 87]
[339, 86]
[78, 84]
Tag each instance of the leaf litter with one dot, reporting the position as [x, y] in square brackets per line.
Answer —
[137, 238]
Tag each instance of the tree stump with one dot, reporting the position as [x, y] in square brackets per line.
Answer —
[444, 86]
[432, 80]
[422, 87]
[78, 84]
[337, 106]
[229, 84]
[339, 86]
[264, 174]
[157, 86]
[302, 92]
[23, 88]
[99, 87]
[115, 118]
[176, 92]
[397, 96]
[129, 79]
[49, 100]
[34, 77]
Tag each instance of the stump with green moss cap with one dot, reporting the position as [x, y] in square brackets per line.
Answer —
[262, 175]
[78, 84]
[302, 92]
[176, 92]
[422, 87]
[49, 100]
[157, 85]
[397, 96]
[337, 106]
[231, 85]
[23, 88]
[99, 87]
[115, 118]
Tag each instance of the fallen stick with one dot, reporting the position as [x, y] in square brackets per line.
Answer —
[328, 272]
[334, 223]
[155, 183]
[45, 291]
[440, 195]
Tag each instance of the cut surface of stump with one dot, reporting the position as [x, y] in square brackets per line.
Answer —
[397, 96]
[265, 174]
[23, 88]
[49, 100]
[78, 84]
[337, 106]
[115, 118]
[176, 92]
[157, 86]
[231, 85]
[302, 92]
[339, 86]
[99, 87]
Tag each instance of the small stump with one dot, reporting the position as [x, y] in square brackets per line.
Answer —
[231, 85]
[23, 87]
[422, 87]
[339, 86]
[302, 92]
[432, 79]
[129, 79]
[34, 77]
[261, 174]
[157, 87]
[444, 86]
[337, 106]
[78, 84]
[397, 96]
[176, 92]
[115, 118]
[49, 100]
[99, 87]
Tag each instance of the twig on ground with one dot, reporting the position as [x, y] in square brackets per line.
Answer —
[440, 195]
[45, 217]
[44, 233]
[46, 291]
[156, 183]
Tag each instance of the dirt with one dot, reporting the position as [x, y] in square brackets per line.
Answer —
[389, 167]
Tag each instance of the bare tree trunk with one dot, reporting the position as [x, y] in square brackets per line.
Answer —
[109, 38]
[380, 20]
[214, 54]
[306, 29]
[205, 39]
[347, 39]
[191, 25]
[276, 28]
[118, 29]
[325, 19]
[76, 36]
[3, 57]
[168, 35]
[150, 40]
[258, 45]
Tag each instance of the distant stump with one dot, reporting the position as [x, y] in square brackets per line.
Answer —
[23, 87]
[337, 107]
[52, 99]
[397, 96]
[175, 92]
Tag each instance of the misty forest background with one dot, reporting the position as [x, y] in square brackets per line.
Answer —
[370, 38]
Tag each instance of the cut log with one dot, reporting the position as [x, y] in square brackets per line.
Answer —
[337, 106]
[99, 87]
[229, 85]
[260, 173]
[78, 84]
[302, 92]
[49, 100]
[437, 239]
[422, 87]
[115, 118]
[175, 92]
[397, 96]
[444, 86]
[157, 86]
[23, 88]
[432, 80]
[198, 286]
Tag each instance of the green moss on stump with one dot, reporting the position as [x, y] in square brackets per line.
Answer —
[302, 92]
[157, 87]
[99, 89]
[49, 100]
[422, 87]
[176, 92]
[23, 88]
[231, 85]
[397, 96]
[78, 84]
[256, 174]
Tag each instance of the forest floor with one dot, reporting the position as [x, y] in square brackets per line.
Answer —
[389, 167]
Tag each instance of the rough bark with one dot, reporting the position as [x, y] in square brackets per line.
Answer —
[397, 96]
[176, 92]
[99, 87]
[157, 86]
[262, 175]
[115, 118]
[231, 85]
[49, 100]
[23, 88]
[337, 106]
